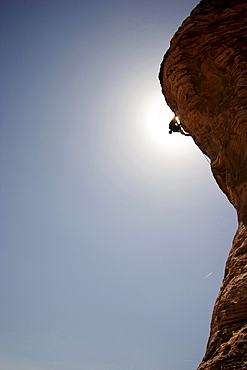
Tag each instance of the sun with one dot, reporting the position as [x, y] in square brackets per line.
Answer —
[154, 129]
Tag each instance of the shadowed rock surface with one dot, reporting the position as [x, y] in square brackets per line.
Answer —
[204, 80]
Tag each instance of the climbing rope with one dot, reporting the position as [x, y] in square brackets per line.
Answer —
[207, 159]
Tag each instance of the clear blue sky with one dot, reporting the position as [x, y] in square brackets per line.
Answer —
[110, 226]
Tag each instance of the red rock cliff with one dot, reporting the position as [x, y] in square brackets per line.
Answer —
[204, 80]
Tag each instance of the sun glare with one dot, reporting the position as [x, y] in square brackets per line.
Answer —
[155, 128]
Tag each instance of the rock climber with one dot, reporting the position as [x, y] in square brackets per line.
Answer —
[174, 126]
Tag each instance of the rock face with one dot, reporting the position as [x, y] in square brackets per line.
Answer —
[204, 80]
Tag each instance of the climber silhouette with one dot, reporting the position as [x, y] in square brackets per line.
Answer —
[174, 126]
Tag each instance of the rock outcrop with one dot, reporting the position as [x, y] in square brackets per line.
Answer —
[204, 80]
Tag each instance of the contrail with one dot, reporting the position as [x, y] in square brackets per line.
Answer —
[208, 275]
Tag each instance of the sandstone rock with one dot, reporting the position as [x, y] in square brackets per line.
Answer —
[204, 80]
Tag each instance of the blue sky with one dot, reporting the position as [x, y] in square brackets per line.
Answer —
[110, 226]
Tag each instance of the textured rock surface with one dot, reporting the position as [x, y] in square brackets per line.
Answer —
[204, 80]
